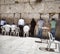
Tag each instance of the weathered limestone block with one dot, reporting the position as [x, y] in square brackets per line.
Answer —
[1, 1]
[0, 9]
[15, 20]
[27, 8]
[9, 1]
[45, 16]
[48, 0]
[10, 15]
[17, 15]
[25, 0]
[56, 16]
[51, 7]
[57, 7]
[39, 8]
[31, 15]
[22, 0]
[17, 8]
[32, 0]
[3, 9]
[43, 7]
[3, 15]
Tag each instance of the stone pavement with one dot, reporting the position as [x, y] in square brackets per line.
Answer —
[22, 45]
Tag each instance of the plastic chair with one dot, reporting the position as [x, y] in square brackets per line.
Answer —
[52, 40]
[17, 30]
[26, 29]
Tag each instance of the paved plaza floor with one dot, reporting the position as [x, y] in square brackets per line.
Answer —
[23, 45]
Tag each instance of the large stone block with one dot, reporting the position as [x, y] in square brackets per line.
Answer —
[17, 8]
[4, 9]
[25, 0]
[48, 7]
[52, 7]
[45, 16]
[33, 8]
[31, 15]
[10, 15]
[4, 15]
[56, 16]
[1, 1]
[39, 8]
[22, 0]
[17, 15]
[9, 1]
[48, 0]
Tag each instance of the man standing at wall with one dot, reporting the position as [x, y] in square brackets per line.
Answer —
[40, 24]
[53, 27]
[32, 28]
[21, 23]
[2, 22]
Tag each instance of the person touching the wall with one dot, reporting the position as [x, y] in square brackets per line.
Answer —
[40, 24]
[21, 24]
[32, 27]
[53, 26]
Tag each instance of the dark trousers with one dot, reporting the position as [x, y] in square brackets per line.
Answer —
[32, 31]
[0, 29]
[21, 30]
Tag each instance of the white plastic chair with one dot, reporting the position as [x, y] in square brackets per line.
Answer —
[13, 28]
[7, 28]
[3, 30]
[26, 29]
[17, 30]
[52, 40]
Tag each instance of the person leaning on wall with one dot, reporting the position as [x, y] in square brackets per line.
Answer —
[53, 26]
[32, 27]
[2, 22]
[40, 24]
[21, 24]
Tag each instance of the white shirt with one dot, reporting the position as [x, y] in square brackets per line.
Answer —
[26, 28]
[21, 22]
[13, 27]
[2, 22]
[7, 27]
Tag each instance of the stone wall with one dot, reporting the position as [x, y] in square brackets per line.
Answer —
[9, 7]
[12, 10]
